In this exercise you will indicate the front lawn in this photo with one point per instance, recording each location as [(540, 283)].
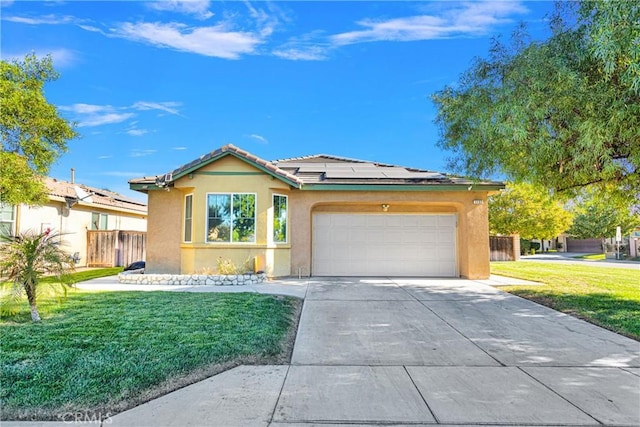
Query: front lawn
[(81, 276), (608, 297), (103, 352), (592, 257)]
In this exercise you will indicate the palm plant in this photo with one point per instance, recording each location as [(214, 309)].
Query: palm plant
[(25, 258)]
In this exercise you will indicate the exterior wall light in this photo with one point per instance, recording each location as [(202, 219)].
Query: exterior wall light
[(385, 208)]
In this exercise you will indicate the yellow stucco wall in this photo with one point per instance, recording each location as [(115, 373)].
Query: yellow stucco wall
[(168, 253), (163, 232), (232, 175)]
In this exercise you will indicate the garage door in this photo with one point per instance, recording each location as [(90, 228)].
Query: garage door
[(384, 245)]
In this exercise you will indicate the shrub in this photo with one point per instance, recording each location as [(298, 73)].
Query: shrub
[(226, 266)]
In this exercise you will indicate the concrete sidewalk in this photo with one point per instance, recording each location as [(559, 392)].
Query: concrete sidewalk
[(572, 258), (381, 351), (291, 287)]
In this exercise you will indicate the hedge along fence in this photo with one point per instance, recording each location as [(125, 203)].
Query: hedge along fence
[(192, 279)]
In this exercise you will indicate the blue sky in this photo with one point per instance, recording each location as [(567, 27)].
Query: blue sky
[(153, 85)]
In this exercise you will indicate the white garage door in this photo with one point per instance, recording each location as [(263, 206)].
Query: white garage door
[(384, 245)]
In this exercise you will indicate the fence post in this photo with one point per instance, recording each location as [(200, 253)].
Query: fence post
[(516, 247)]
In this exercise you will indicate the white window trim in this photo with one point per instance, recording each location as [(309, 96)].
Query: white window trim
[(184, 219), (100, 214), (230, 242), (286, 242), (12, 221)]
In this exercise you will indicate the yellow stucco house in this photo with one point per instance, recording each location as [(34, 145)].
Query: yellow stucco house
[(315, 216)]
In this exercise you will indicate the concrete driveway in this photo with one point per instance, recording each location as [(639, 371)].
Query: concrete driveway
[(373, 352), (421, 352)]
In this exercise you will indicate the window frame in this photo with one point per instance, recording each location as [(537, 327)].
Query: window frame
[(12, 221), (184, 219), (232, 218), (273, 220), (101, 216)]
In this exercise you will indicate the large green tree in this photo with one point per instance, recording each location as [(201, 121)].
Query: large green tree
[(528, 210), (598, 216), (563, 112), (32, 132)]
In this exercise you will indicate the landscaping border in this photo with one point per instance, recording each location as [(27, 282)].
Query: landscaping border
[(192, 279)]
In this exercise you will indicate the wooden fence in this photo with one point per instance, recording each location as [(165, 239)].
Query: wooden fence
[(115, 248), (504, 248)]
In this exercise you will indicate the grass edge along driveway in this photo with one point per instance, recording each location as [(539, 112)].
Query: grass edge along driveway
[(104, 352), (607, 297)]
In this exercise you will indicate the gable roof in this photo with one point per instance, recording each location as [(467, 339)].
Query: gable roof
[(79, 193), (167, 179), (327, 172)]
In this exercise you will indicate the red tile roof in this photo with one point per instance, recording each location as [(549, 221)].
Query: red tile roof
[(97, 196)]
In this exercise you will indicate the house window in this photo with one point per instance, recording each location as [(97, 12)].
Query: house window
[(188, 217), (279, 218), (7, 219), (231, 217), (99, 221)]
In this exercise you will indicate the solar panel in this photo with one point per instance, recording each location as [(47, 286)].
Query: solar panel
[(402, 173), (350, 166), (359, 174)]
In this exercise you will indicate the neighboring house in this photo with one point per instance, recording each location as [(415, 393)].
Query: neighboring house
[(629, 244), (316, 216), (73, 209), (634, 243)]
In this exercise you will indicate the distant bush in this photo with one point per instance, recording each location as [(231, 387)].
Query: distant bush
[(528, 247)]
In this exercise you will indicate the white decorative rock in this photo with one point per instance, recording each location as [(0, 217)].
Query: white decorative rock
[(191, 279)]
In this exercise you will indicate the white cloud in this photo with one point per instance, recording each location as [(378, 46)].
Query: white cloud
[(307, 47), (89, 115), (42, 20), (463, 20), (198, 8), (6, 3), (303, 53), (265, 21), (137, 132), (62, 58), (179, 148), (167, 107), (217, 41), (259, 138), (104, 119), (87, 108), (105, 157), (136, 152), (91, 28)]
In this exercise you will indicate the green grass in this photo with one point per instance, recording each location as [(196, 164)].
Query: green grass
[(592, 257), (104, 352), (608, 297), (48, 287), (81, 276)]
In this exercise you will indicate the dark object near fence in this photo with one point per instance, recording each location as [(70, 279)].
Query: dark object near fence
[(138, 265), (503, 248), (115, 248)]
